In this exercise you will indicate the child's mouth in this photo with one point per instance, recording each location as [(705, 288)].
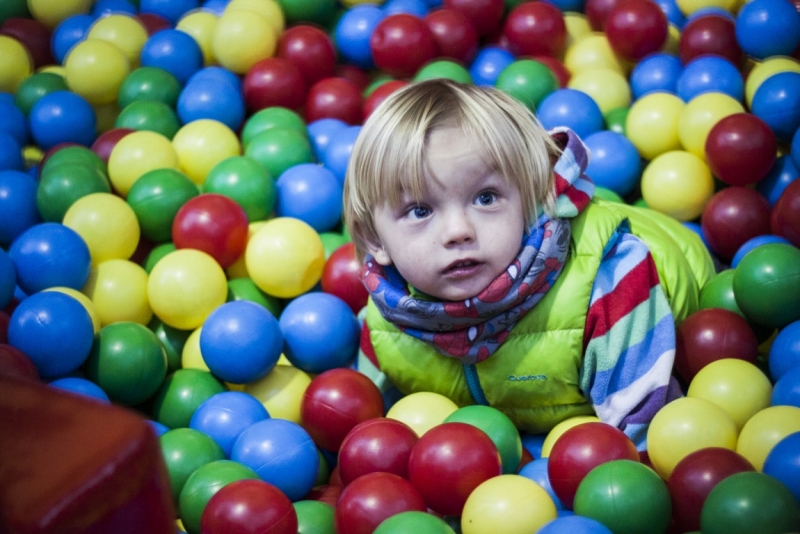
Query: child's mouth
[(462, 268)]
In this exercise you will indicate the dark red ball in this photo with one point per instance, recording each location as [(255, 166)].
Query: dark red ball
[(579, 450), (369, 500), (358, 77), (741, 149), (709, 335), (334, 98), (597, 12), (335, 402), (449, 461), (377, 445), (733, 216), (785, 219), (249, 507), (153, 23), (485, 15), (327, 493), (636, 28), (536, 29), (454, 34), (274, 81), (710, 34), (380, 94), (310, 50), (106, 141), (693, 479), (17, 364), (5, 318), (33, 35), (214, 224), (401, 44), (558, 69), (342, 277)]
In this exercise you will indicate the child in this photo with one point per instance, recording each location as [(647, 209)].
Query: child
[(494, 278)]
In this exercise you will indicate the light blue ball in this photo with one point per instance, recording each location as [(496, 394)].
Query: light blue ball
[(353, 32), (337, 153), (226, 415), (81, 386), (706, 74), (656, 72), (615, 162), (488, 64), (311, 193), (537, 471), (321, 132), (766, 28), (571, 108)]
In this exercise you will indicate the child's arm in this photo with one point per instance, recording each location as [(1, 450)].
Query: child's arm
[(629, 341)]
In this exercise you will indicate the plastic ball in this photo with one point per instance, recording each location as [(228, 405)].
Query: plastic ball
[(226, 415), (533, 29), (787, 390), (498, 427), (200, 25), (782, 174), (278, 149), (372, 498), (422, 411), (740, 149), (342, 277), (783, 463), (652, 124), (574, 524), (766, 285), (16, 64), (783, 219), (710, 34), (245, 289), (136, 154), (710, 74), (415, 521), (150, 84), (322, 132), (376, 445), (766, 69), (272, 117), (185, 450), (201, 144), (18, 201), (14, 122), (336, 156), (752, 243), (485, 15), (615, 162), (81, 386), (153, 116), (270, 10), (557, 431), (274, 81), (118, 290), (775, 102), (123, 31), (62, 117), (537, 470), (95, 70), (733, 216), (353, 32), (784, 354), (455, 36), (242, 38), (636, 28), (214, 224), (444, 69), (310, 50), (211, 95), (678, 184), (281, 392), (615, 120), (245, 181), (336, 98), (314, 517), (764, 430), (488, 64), (155, 199), (700, 115), (507, 504), (105, 143), (530, 82), (173, 51), (107, 224), (418, 8), (181, 394), (766, 28), (247, 506), (312, 194), (608, 88), (592, 51)]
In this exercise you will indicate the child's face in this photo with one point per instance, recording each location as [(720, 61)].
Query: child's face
[(463, 233)]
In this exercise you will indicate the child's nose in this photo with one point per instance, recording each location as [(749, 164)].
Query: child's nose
[(458, 229)]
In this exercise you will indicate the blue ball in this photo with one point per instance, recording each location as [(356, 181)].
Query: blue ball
[(68, 33), (777, 102), (320, 331), (8, 279), (17, 204), (418, 8), (795, 148), (159, 428), (786, 391), (112, 7), (337, 153), (321, 132), (711, 10), (697, 229), (754, 242), (766, 28), (173, 51), (488, 64), (784, 354), (62, 117), (707, 74), (226, 415), (14, 122), (533, 443), (674, 14), (537, 471), (573, 109), (782, 173), (656, 72), (216, 73), (172, 10), (576, 6), (353, 32), (212, 97), (10, 153), (615, 162), (783, 463), (241, 341), (54, 330), (574, 524), (216, 7), (81, 386), (282, 453), (311, 193)]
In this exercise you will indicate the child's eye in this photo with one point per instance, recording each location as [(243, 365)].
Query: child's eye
[(419, 212), (486, 198)]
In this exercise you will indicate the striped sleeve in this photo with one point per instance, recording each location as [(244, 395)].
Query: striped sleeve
[(629, 340)]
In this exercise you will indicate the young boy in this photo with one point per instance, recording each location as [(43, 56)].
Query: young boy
[(495, 279)]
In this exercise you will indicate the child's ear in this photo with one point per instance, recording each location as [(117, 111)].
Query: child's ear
[(378, 252)]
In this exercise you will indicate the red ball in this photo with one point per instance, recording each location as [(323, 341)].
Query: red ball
[(485, 15), (335, 402), (310, 50), (249, 507), (327, 493), (334, 98), (536, 29), (558, 69), (354, 75), (733, 216), (106, 141), (741, 149), (636, 28), (373, 498), (377, 445), (710, 335), (380, 94), (401, 44), (17, 364), (449, 461), (5, 318), (710, 34), (597, 12), (454, 35), (213, 223), (785, 219), (693, 479), (274, 81), (342, 277), (33, 35), (153, 23), (582, 448)]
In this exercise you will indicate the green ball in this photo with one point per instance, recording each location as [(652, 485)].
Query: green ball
[(498, 427), (61, 185), (615, 119), (278, 149), (14, 9), (149, 83), (749, 502), (180, 395), (156, 254), (156, 197), (608, 194), (75, 154), (319, 11), (767, 285), (626, 496), (35, 87), (374, 84), (640, 203), (149, 115), (185, 450), (413, 521), (331, 241), (314, 517), (246, 289), (273, 117), (324, 471), (443, 68), (172, 340), (247, 182), (718, 293), (203, 484), (528, 81), (128, 362)]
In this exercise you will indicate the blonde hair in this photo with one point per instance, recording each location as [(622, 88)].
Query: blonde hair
[(389, 156)]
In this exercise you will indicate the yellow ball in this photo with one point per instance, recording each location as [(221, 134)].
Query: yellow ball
[(672, 44), (562, 427), (700, 115), (422, 411), (577, 26), (507, 504), (124, 31), (736, 386), (285, 257), (185, 286), (268, 9), (136, 154), (281, 392), (84, 300), (16, 64), (765, 69), (191, 356), (118, 289), (688, 7), (764, 430), (592, 51), (51, 12), (239, 268), (686, 425), (108, 225), (607, 87), (200, 25), (241, 39), (678, 184), (96, 70), (203, 143), (652, 124)]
